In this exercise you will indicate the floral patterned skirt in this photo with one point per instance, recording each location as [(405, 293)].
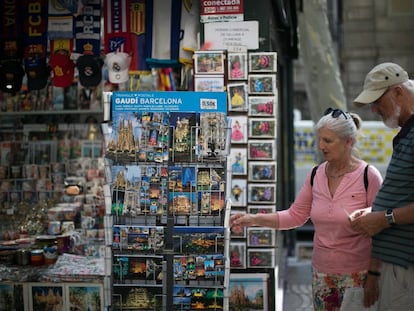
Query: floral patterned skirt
[(328, 288)]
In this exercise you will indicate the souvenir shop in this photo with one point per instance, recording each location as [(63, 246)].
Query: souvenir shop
[(124, 149)]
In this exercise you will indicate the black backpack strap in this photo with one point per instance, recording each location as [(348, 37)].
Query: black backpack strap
[(313, 174), (366, 177)]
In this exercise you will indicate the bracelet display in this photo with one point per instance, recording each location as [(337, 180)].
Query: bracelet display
[(375, 273)]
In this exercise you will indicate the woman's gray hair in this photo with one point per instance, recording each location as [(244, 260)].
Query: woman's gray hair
[(343, 127)]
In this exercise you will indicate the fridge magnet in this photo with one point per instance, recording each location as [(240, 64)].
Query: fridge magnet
[(238, 192), (46, 296), (237, 66), (262, 128), (237, 96), (262, 106), (262, 171), (237, 255), (260, 258), (85, 296), (237, 232), (238, 129), (260, 237), (264, 209), (238, 161), (253, 287), (206, 83), (263, 62), (262, 193), (261, 150), (209, 62), (262, 84)]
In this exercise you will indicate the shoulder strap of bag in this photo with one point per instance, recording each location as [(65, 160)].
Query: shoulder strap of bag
[(313, 174), (365, 176)]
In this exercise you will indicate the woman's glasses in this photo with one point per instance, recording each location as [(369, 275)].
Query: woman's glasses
[(335, 113)]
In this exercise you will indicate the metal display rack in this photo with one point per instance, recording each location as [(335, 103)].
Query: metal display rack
[(166, 156)]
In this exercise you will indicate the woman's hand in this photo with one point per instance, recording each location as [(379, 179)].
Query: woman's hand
[(240, 220)]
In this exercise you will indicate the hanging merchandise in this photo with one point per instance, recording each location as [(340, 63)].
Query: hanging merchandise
[(166, 79), (11, 76), (117, 26), (62, 66), (11, 50), (118, 65), (88, 44), (139, 35), (35, 43), (90, 70), (60, 21), (190, 29), (165, 40), (88, 29), (72, 6), (61, 35)]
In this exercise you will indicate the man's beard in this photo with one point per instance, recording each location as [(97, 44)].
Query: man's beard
[(392, 121)]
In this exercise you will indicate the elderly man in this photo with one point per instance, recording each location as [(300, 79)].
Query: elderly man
[(390, 93)]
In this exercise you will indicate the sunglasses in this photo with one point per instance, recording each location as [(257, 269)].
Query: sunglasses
[(335, 113)]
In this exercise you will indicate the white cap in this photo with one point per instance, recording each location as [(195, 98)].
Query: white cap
[(118, 66), (378, 80)]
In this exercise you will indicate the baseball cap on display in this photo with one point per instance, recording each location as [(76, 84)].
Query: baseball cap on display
[(378, 80), (38, 74), (11, 76), (118, 65), (90, 70), (63, 69)]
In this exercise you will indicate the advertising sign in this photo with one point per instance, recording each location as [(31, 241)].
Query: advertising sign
[(221, 11)]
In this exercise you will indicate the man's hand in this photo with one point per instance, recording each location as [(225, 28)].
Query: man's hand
[(370, 224), (371, 290)]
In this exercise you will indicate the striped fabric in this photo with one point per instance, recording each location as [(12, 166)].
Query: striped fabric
[(395, 244)]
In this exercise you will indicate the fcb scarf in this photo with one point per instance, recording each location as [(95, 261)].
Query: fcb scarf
[(88, 29)]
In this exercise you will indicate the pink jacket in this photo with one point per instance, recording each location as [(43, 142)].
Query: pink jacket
[(336, 247)]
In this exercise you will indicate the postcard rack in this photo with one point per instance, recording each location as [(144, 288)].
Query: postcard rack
[(252, 166), (165, 197)]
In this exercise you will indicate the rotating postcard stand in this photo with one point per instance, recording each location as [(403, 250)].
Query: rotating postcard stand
[(166, 199)]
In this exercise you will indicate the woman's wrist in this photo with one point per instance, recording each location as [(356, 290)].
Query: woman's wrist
[(253, 219)]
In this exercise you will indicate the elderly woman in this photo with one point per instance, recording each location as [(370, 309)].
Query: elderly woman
[(338, 188)]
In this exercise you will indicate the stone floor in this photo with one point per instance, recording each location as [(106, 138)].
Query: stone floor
[(297, 286)]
